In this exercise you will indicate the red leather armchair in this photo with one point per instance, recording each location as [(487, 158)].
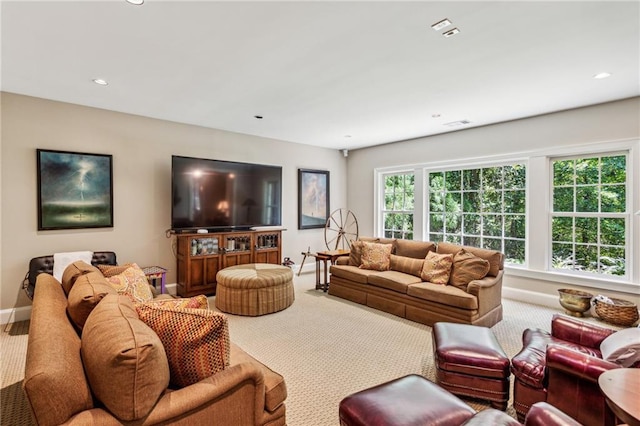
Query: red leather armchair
[(562, 368)]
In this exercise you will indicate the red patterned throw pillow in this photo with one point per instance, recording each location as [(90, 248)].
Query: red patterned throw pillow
[(437, 267), (376, 256), (196, 340)]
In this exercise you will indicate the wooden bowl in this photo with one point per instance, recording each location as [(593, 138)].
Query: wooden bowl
[(575, 302)]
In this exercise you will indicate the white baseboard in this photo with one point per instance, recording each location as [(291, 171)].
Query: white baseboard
[(22, 313), (530, 297)]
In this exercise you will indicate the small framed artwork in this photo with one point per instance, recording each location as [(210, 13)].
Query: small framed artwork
[(313, 198), (75, 190)]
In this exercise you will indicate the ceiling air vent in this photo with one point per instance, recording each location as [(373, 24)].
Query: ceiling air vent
[(457, 123)]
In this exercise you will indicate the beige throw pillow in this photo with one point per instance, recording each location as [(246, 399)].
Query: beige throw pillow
[(436, 268), (124, 359), (376, 256), (466, 268)]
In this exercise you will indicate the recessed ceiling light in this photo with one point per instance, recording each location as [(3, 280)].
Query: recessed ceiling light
[(136, 2), (442, 24), (259, 117), (451, 32), (435, 115), (347, 136), (602, 75), (100, 81)]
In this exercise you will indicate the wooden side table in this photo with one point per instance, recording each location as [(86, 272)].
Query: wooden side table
[(621, 389), (323, 257), (154, 273)]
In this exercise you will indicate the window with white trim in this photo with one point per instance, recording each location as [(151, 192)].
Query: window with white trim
[(398, 208), (480, 207), (590, 214)]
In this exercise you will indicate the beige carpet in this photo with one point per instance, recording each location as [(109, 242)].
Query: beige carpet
[(325, 347)]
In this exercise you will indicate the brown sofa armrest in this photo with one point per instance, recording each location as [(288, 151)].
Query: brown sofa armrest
[(233, 396), (342, 260), (488, 291)]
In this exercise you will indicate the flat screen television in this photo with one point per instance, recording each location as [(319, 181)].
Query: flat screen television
[(224, 195)]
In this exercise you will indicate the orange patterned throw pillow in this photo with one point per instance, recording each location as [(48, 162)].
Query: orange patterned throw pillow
[(437, 267), (196, 340), (197, 302), (376, 256), (466, 268), (132, 282)]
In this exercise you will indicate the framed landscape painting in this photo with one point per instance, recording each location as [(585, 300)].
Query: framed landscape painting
[(313, 198), (75, 190)]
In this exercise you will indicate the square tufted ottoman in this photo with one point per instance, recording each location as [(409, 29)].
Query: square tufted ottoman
[(408, 401), (470, 362)]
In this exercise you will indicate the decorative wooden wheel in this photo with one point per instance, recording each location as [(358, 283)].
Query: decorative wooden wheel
[(340, 230)]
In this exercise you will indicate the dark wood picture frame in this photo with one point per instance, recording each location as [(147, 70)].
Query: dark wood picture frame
[(313, 198), (75, 190)]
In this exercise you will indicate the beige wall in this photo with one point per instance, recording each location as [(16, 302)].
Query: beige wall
[(141, 149), (596, 124)]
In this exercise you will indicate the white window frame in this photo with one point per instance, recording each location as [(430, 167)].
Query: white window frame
[(538, 250), (502, 163), (380, 199)]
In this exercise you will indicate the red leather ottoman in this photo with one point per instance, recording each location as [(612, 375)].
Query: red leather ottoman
[(470, 362), (408, 401)]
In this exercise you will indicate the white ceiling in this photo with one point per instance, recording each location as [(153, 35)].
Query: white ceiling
[(319, 71)]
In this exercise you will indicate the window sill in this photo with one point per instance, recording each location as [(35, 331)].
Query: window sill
[(589, 282)]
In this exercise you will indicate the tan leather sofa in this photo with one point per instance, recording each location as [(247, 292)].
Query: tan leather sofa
[(402, 292), (245, 393)]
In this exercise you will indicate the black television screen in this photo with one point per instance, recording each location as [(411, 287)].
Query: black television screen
[(217, 195)]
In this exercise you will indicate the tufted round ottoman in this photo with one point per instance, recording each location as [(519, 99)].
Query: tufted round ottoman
[(254, 289)]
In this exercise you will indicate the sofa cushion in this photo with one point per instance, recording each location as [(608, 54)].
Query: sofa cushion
[(415, 249), (133, 283), (466, 268), (437, 268), (495, 258), (393, 280), (408, 265), (196, 341), (86, 293), (274, 385), (124, 359), (73, 271), (355, 254), (376, 256), (352, 273), (447, 295), (622, 347), (113, 270)]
